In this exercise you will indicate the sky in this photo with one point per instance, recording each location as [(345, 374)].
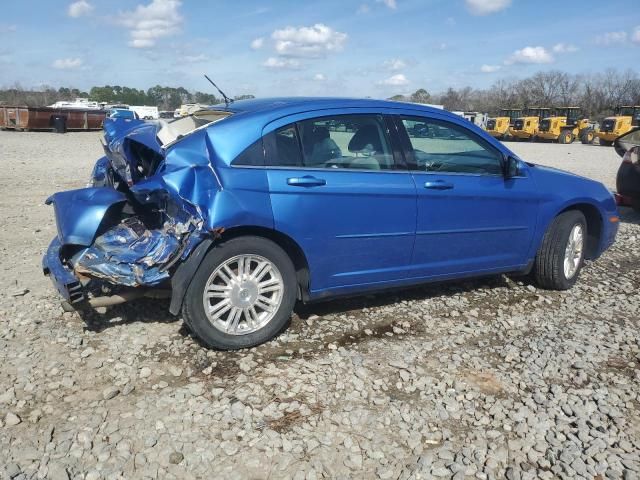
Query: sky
[(375, 48)]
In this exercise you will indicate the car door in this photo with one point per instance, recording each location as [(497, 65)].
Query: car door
[(340, 190), (471, 219)]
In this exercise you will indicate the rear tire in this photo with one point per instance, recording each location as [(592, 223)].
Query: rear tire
[(565, 137), (587, 136), (241, 293), (605, 143), (556, 253)]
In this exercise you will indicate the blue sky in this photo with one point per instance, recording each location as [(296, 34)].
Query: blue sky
[(335, 47)]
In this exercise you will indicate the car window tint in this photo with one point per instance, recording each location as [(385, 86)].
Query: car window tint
[(253, 155), (283, 147), (445, 147), (346, 141)]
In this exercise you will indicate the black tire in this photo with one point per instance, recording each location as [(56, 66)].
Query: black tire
[(587, 136), (548, 269), (193, 310), (605, 143), (565, 137)]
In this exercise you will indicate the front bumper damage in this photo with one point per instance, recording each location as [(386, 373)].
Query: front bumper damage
[(126, 239)]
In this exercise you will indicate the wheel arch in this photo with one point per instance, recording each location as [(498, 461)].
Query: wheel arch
[(183, 275), (594, 221)]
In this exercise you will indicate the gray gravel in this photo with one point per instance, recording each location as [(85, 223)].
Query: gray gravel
[(482, 379)]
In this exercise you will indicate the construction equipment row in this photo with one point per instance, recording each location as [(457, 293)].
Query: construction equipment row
[(563, 125)]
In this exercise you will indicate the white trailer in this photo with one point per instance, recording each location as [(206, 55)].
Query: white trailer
[(144, 112)]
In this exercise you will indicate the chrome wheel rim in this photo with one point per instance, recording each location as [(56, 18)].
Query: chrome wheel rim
[(243, 294), (573, 251)]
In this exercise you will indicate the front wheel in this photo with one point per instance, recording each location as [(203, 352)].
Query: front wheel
[(566, 136), (587, 136), (605, 143), (561, 254), (242, 295)]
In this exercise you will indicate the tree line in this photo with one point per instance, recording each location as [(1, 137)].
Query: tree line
[(166, 98), (597, 94)]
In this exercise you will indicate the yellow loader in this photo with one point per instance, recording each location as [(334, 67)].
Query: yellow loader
[(624, 119), (527, 126), (565, 125), (498, 126)]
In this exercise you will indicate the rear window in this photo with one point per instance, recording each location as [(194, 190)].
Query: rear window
[(172, 131)]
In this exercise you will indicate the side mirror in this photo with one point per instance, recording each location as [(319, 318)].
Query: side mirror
[(511, 167), (625, 142)]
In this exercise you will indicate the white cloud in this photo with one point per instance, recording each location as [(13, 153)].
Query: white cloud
[(314, 41), (4, 28), (194, 58), (67, 63), (530, 55), (485, 7), (79, 8), (148, 23), (564, 48), (281, 63), (611, 38), (319, 77), (635, 36), (397, 80), (395, 64), (489, 68), (257, 43), (389, 3)]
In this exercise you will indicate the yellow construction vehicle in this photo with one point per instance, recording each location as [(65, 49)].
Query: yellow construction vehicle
[(498, 126), (565, 125), (527, 126), (623, 120)]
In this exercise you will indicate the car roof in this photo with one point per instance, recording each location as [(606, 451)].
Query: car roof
[(281, 106)]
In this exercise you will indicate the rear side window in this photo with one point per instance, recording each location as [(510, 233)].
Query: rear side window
[(252, 156), (438, 146), (341, 141)]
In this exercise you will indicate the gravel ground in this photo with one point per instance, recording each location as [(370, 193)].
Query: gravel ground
[(490, 378)]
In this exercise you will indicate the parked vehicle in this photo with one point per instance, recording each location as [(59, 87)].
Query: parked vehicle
[(166, 114), (527, 126), (623, 120), (628, 178), (122, 113), (236, 212), (47, 118), (498, 127), (144, 112), (477, 118), (78, 103), (565, 125)]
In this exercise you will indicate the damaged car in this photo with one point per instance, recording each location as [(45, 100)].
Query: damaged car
[(237, 211)]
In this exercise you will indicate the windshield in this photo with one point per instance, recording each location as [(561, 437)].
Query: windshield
[(625, 111), (175, 130)]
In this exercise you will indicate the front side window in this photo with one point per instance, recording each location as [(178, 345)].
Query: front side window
[(438, 146), (341, 141)]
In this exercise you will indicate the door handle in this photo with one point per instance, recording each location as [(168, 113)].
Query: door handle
[(438, 185), (306, 181)]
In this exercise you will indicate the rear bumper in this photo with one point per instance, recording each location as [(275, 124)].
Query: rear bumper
[(548, 135), (63, 279), (607, 136)]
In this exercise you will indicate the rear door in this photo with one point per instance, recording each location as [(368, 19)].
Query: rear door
[(471, 219), (340, 190)]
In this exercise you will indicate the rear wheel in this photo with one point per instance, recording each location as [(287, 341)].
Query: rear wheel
[(566, 136), (242, 295), (561, 254), (605, 143), (587, 136)]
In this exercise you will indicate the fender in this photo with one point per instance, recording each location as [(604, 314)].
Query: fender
[(181, 279)]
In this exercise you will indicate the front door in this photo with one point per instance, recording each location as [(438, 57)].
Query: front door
[(339, 191), (470, 218)]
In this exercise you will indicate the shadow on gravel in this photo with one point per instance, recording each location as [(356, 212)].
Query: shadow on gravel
[(421, 292), (628, 215), (144, 310)]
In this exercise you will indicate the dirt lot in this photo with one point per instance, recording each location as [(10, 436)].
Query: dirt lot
[(481, 379)]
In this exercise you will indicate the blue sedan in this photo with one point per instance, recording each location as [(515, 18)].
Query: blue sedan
[(238, 211)]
